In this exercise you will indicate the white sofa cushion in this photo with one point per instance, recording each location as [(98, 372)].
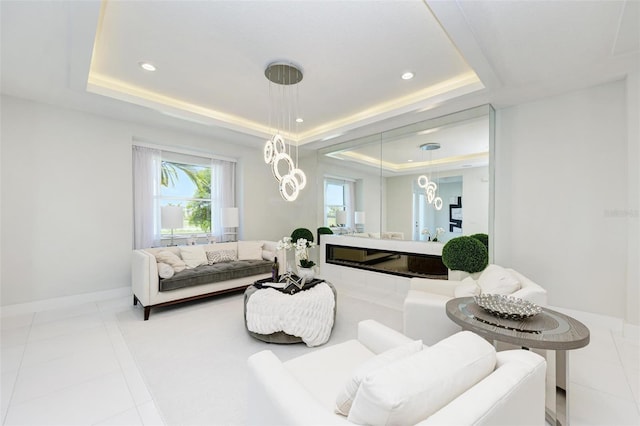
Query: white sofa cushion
[(412, 388), (249, 250), (323, 372), (165, 270), (497, 280), (165, 256), (348, 392), (193, 256), (468, 287)]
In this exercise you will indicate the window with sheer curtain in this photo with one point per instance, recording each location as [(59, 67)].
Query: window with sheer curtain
[(201, 186), (339, 194)]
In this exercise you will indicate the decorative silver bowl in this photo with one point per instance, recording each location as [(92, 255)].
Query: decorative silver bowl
[(506, 306)]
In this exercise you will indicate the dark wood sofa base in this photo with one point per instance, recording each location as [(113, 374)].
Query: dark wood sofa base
[(147, 309)]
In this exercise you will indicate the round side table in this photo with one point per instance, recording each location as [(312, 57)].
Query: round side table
[(549, 330)]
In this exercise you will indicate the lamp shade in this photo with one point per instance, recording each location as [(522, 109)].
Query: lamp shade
[(341, 217), (172, 217), (359, 218), (230, 217)]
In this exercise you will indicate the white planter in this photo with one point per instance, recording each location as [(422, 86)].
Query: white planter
[(306, 273)]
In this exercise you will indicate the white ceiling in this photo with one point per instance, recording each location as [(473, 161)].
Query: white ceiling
[(211, 57)]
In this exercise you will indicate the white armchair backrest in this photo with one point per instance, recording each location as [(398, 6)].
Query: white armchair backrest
[(529, 290)]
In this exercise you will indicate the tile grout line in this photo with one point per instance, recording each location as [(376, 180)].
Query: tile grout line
[(136, 405), (626, 373), (18, 370)]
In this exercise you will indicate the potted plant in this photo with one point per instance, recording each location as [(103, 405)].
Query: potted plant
[(301, 246), (305, 266), (465, 254)]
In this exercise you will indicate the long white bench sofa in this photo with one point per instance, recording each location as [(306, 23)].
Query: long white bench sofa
[(158, 279)]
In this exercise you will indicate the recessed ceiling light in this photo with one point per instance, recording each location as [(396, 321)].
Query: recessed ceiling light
[(429, 146), (407, 75), (409, 161), (299, 120), (147, 66)]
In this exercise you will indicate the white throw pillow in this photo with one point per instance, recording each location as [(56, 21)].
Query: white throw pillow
[(249, 250), (413, 388), (268, 255), (467, 288), (193, 256), (165, 256), (348, 392), (165, 270), (497, 280)]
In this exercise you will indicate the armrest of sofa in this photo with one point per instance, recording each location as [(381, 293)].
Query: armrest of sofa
[(378, 338), (277, 398), (144, 275), (513, 394), (441, 287), (272, 248)]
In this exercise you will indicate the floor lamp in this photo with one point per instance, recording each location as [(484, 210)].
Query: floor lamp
[(172, 217), (230, 219)]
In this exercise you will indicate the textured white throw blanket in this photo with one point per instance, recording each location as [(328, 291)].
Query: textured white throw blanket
[(307, 314)]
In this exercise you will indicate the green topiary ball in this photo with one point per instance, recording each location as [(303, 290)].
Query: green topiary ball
[(483, 238), (465, 254), (301, 233), (323, 230)]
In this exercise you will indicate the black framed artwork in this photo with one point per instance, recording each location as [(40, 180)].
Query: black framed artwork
[(455, 214)]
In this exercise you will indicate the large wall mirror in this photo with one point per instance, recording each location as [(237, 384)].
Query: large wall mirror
[(410, 182)]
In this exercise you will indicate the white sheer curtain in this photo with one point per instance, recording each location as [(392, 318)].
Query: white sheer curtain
[(146, 183), (223, 194), (349, 201)]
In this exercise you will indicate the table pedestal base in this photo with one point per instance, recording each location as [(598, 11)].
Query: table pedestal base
[(557, 411)]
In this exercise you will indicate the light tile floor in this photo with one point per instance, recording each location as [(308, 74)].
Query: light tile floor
[(72, 366)]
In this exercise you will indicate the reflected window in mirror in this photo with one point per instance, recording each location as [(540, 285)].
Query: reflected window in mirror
[(339, 196)]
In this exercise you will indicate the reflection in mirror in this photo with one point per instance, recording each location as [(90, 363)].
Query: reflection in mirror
[(394, 173)]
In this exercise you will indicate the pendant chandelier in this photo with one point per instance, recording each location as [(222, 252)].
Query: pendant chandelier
[(430, 187), (283, 97)]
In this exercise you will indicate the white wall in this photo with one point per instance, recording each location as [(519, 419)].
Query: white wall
[(633, 216), (67, 198), (561, 170), (475, 201)]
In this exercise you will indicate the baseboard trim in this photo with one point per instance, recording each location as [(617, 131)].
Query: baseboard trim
[(63, 302)]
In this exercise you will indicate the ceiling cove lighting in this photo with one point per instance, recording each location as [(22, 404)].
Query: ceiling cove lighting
[(429, 186), (147, 66), (283, 99)]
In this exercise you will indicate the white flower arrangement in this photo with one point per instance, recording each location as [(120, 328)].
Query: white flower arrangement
[(301, 247), (439, 232), (284, 244), (436, 236)]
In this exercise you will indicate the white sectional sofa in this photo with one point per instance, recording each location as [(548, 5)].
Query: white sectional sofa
[(382, 378), (218, 274)]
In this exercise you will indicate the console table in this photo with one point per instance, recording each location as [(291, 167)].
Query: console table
[(548, 330)]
